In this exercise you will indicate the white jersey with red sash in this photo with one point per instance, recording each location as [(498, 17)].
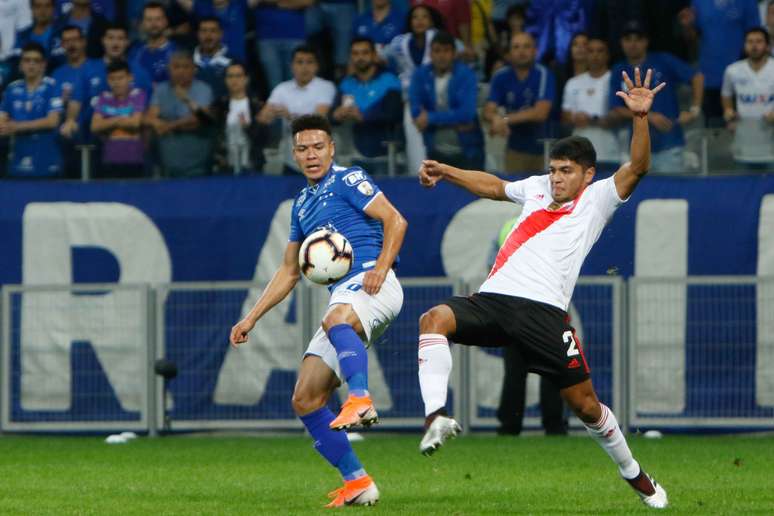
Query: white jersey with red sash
[(542, 256)]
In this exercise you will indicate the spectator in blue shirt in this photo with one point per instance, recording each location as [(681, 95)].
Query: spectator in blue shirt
[(370, 99), (211, 57), (443, 104), (666, 135), (116, 45), (279, 30), (233, 21), (30, 112), (92, 25), (520, 100), (381, 23), (154, 56), (75, 80), (43, 31), (721, 27)]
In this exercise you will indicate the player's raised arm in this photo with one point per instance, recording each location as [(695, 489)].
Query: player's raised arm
[(283, 281), (639, 99), (394, 230), (478, 183)]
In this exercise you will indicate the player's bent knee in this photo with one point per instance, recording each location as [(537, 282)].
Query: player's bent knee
[(338, 314), (305, 402), (438, 319)]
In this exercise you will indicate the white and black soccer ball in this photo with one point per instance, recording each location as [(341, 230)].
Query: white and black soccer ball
[(325, 257)]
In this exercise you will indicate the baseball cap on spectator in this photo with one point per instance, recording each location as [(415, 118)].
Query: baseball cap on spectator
[(634, 27)]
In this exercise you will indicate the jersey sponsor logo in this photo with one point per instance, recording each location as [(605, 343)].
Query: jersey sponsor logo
[(354, 178), (365, 188), (755, 98)]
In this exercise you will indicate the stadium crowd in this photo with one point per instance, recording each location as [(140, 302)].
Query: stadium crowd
[(129, 88)]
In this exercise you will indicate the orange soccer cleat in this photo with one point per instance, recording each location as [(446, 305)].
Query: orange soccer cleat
[(356, 411), (361, 491)]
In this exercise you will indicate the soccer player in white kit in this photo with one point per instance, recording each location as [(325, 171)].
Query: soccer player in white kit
[(523, 303)]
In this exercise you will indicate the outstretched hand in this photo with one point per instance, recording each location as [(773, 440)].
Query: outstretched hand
[(430, 173), (639, 96)]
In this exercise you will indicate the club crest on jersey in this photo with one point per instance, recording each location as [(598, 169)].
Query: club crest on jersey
[(365, 188), (301, 198), (354, 178)]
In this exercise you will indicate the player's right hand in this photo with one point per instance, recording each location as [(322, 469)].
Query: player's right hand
[(430, 173), (239, 332)]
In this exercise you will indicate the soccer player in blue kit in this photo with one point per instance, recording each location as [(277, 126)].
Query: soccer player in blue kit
[(361, 306)]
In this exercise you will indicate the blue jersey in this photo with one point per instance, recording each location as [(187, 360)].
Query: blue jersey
[(666, 68), (35, 153), (155, 61), (508, 91), (338, 203), (384, 31), (76, 84), (233, 19)]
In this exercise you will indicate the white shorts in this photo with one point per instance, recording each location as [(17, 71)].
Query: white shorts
[(375, 314)]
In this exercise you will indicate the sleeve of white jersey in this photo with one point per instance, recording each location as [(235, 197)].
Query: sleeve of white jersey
[(605, 197), (516, 191)]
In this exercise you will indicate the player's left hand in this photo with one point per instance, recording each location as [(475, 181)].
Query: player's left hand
[(639, 97), (372, 281)]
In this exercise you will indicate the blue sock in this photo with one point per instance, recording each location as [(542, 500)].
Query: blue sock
[(353, 358), (332, 445)]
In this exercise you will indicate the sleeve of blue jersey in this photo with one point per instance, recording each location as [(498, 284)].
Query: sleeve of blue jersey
[(295, 228), (356, 186)]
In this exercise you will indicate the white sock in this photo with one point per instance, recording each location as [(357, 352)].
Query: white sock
[(612, 440), (435, 365)]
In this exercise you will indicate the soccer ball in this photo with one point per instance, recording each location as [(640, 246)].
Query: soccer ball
[(325, 257)]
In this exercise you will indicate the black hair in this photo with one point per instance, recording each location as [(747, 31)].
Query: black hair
[(72, 27), (116, 26), (575, 148), (516, 9), (304, 49), (363, 39), (311, 122), (34, 46), (239, 64), (118, 65), (760, 30), (435, 16), (213, 19), (445, 39), (154, 5)]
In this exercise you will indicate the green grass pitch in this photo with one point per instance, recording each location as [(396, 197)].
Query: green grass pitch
[(470, 475)]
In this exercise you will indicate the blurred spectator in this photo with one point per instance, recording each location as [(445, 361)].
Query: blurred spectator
[(769, 22), (405, 53), (456, 20), (520, 99), (381, 23), (233, 21), (483, 36), (118, 119), (154, 55), (42, 31), (553, 23), (304, 94), (105, 8), (30, 113), (210, 56), (336, 17), (576, 65), (501, 8), (92, 25), (241, 138), (370, 99), (585, 104), (748, 101), (443, 98), (513, 24), (279, 29), (179, 107), (666, 134), (721, 27), (14, 17), (116, 45), (76, 78)]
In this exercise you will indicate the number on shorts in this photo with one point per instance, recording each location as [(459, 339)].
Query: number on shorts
[(354, 287), (572, 348)]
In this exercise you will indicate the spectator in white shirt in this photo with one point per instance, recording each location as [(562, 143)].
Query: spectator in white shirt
[(748, 101), (303, 95), (585, 104), (15, 15)]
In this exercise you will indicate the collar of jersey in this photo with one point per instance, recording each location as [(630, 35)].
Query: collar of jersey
[(313, 188)]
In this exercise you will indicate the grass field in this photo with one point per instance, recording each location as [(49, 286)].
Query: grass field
[(471, 475)]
